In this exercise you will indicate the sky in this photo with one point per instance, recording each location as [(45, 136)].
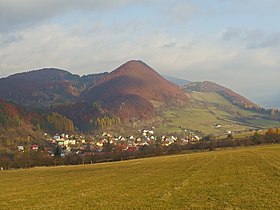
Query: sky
[(235, 43)]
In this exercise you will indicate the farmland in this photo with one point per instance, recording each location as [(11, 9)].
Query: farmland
[(244, 178), (208, 109)]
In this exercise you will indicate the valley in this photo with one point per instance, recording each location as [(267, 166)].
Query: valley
[(128, 104), (38, 105)]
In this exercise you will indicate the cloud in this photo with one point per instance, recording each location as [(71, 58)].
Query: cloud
[(111, 32), (104, 47), (232, 34), (269, 41), (251, 39), (15, 13), (101, 47), (8, 38)]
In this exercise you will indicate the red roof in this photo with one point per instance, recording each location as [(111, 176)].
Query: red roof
[(131, 149), (34, 146)]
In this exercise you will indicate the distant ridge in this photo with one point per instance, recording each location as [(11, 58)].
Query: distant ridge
[(45, 74), (132, 93), (177, 81), (45, 87), (207, 86)]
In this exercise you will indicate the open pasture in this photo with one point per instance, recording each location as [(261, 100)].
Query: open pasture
[(244, 178)]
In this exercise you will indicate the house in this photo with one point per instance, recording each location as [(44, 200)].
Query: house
[(35, 147), (173, 138), (60, 143), (147, 132), (98, 149), (20, 148), (151, 132), (99, 144), (145, 144), (218, 126), (56, 137), (66, 142), (196, 138), (185, 141), (131, 149), (72, 141), (82, 148), (166, 143)]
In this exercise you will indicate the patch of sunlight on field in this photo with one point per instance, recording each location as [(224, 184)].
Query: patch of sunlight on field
[(211, 97), (200, 119), (208, 109), (246, 178), (216, 99)]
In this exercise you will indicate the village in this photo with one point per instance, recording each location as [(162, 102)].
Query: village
[(61, 145), (74, 149)]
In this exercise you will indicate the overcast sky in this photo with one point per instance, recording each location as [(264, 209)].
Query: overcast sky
[(235, 43)]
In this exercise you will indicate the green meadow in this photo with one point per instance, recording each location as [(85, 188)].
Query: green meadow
[(208, 109), (243, 178)]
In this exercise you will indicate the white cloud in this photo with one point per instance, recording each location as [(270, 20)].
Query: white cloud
[(244, 59), (15, 13), (106, 47)]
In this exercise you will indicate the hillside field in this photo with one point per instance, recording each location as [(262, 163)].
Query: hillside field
[(208, 109), (245, 178)]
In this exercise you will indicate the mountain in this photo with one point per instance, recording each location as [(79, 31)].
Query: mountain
[(19, 126), (207, 86), (134, 90), (177, 81), (45, 87), (10, 114), (15, 124), (211, 104), (132, 94)]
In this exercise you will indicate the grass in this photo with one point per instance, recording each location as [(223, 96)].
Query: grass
[(208, 109), (202, 119), (246, 178), (265, 122), (210, 97)]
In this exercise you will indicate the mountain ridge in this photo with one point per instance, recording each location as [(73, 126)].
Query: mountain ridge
[(45, 87), (136, 75), (132, 89), (234, 97), (133, 92)]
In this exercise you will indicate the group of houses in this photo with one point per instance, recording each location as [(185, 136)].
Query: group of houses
[(79, 144)]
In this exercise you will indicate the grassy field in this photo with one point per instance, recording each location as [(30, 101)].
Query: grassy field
[(208, 109), (246, 178), (202, 119)]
